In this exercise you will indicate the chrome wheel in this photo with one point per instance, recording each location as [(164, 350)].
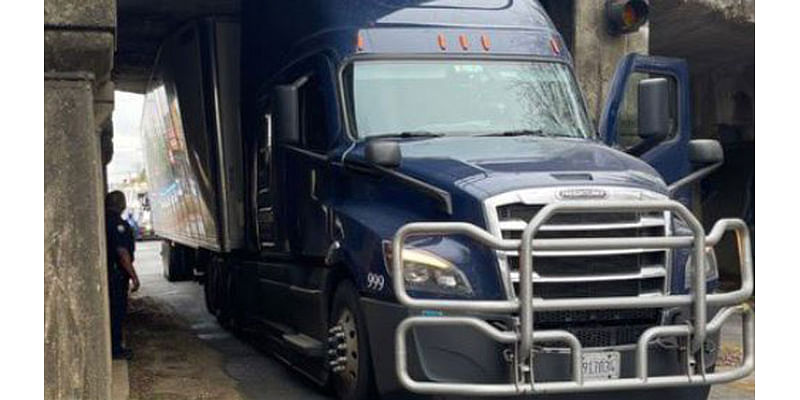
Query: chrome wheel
[(348, 352), (349, 359)]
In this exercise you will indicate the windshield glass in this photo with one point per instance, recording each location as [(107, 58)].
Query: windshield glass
[(464, 98)]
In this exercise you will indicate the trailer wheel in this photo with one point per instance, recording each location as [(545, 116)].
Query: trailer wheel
[(210, 286), (218, 292), (168, 255), (174, 261), (351, 375), (224, 299)]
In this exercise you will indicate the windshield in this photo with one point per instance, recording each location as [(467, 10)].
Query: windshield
[(464, 98)]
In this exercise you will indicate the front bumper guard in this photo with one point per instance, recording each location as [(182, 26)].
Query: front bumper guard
[(523, 306)]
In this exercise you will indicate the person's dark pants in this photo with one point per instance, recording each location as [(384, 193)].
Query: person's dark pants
[(118, 302)]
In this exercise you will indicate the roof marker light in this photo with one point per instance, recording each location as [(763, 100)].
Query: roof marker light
[(554, 45), (360, 42), (485, 42), (463, 41), (442, 42)]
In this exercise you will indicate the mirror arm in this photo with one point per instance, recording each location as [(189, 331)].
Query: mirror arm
[(694, 176), (297, 84), (644, 146)]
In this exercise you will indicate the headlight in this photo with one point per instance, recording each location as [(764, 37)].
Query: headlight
[(711, 269), (426, 272)]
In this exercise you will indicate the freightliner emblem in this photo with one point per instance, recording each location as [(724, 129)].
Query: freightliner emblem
[(582, 194)]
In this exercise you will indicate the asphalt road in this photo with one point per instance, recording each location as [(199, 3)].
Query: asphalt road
[(258, 376)]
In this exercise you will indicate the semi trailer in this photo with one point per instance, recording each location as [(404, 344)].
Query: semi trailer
[(408, 198)]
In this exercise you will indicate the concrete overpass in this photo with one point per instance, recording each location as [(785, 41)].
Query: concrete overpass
[(93, 47)]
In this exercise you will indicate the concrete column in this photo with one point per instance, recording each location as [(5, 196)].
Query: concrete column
[(597, 53), (78, 50), (76, 326)]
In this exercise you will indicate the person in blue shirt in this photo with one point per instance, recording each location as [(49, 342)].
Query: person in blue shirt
[(120, 246), (131, 220)]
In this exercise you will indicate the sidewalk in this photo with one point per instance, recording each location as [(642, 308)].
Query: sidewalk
[(120, 385)]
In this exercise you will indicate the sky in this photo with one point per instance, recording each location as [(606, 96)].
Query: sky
[(128, 158)]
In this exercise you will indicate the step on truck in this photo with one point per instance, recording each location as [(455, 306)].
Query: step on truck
[(407, 198)]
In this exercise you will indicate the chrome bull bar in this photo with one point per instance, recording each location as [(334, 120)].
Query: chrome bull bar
[(524, 304)]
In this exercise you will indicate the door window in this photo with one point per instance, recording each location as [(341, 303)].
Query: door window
[(313, 128)]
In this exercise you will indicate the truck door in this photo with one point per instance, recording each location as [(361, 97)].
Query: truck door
[(303, 166), (619, 123)]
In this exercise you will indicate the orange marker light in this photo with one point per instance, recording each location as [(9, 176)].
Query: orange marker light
[(485, 42), (462, 40), (442, 42), (360, 42), (629, 17), (555, 47)]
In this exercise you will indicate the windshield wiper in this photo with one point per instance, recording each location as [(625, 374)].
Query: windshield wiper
[(526, 132), (518, 132), (407, 134)]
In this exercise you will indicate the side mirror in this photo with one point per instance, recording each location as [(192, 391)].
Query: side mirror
[(705, 151), (654, 121), (385, 153), (286, 114)]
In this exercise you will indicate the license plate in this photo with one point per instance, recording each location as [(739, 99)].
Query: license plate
[(599, 366)]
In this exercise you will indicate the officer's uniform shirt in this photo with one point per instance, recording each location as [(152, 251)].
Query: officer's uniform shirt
[(118, 234)]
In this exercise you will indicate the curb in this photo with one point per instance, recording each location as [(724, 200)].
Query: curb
[(120, 385)]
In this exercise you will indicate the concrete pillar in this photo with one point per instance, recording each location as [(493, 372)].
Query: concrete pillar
[(596, 52), (78, 50), (76, 326)]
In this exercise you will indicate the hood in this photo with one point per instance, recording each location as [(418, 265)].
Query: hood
[(485, 166)]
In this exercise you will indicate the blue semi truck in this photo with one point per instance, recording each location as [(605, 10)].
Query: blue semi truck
[(408, 198)]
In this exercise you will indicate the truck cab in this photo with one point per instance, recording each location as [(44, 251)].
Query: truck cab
[(429, 209)]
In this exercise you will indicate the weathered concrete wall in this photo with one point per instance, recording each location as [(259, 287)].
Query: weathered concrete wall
[(597, 53), (79, 36), (723, 101), (717, 39), (76, 335), (732, 10), (79, 47), (724, 97)]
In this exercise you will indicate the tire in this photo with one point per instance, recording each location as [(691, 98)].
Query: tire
[(174, 261), (168, 255), (217, 288), (210, 287), (224, 304), (356, 381)]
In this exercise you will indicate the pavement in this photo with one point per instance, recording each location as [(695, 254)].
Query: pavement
[(120, 387), (731, 355), (171, 333), (254, 374)]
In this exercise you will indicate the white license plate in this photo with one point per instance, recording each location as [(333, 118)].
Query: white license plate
[(599, 366)]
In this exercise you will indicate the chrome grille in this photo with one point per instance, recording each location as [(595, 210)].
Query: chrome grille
[(591, 274)]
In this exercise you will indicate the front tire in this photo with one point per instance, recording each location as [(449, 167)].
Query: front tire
[(355, 380)]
